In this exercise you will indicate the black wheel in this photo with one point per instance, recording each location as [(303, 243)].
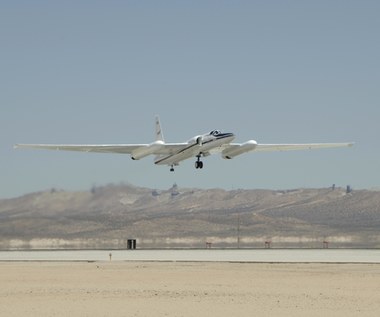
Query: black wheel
[(198, 164)]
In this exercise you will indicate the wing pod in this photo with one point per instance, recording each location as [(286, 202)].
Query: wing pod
[(237, 149), (143, 151)]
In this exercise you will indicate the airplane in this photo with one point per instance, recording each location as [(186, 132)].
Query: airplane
[(172, 154)]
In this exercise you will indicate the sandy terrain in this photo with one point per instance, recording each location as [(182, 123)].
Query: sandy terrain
[(188, 289)]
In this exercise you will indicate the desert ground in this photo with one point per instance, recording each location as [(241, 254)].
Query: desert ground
[(188, 289)]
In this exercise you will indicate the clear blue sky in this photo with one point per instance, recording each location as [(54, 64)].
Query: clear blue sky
[(273, 71)]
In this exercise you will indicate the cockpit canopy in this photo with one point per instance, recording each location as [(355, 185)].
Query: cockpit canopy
[(215, 132)]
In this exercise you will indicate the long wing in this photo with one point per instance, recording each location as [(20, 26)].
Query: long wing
[(107, 148), (138, 151), (234, 149), (292, 147)]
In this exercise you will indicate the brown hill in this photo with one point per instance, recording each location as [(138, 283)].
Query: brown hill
[(106, 217)]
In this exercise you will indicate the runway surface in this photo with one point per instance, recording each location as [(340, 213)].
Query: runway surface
[(209, 255), (188, 289)]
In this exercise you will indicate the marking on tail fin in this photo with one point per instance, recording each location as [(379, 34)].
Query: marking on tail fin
[(159, 134)]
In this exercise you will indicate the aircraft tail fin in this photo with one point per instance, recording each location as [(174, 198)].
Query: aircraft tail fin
[(159, 134)]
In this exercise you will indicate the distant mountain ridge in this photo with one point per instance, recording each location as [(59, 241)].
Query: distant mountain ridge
[(105, 217)]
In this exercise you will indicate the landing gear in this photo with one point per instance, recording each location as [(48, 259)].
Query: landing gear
[(172, 168), (198, 162)]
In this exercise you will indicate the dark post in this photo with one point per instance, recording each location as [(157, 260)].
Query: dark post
[(131, 244)]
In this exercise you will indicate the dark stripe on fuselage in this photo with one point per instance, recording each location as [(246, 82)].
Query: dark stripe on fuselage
[(219, 137), (176, 153)]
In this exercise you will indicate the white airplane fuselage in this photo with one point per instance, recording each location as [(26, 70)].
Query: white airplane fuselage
[(198, 146)]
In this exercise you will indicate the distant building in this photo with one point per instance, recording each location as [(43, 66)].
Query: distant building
[(174, 190), (156, 193)]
